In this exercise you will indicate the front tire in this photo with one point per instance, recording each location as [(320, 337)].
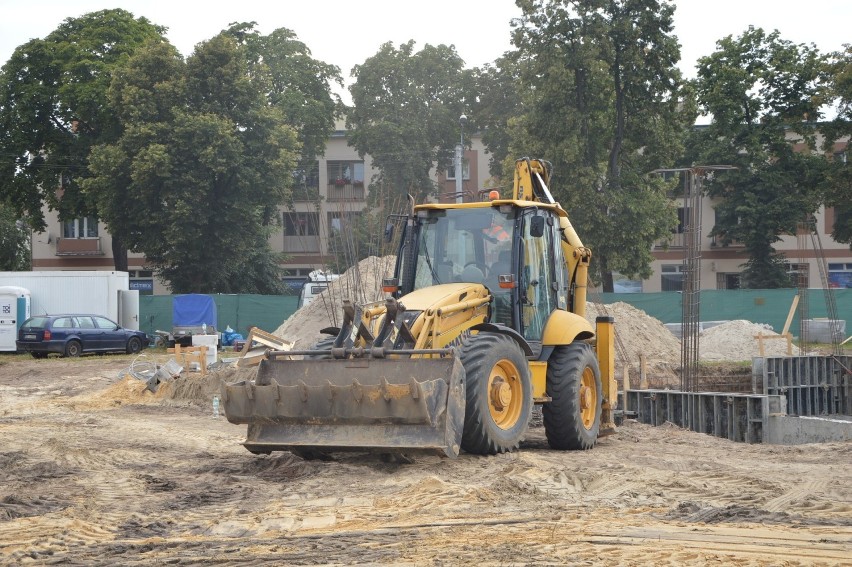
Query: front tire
[(73, 348), (572, 419), (499, 394)]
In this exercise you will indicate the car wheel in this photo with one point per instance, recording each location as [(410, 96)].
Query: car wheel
[(73, 348), (39, 354), (134, 345)]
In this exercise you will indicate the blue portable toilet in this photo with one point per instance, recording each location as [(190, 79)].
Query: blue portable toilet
[(15, 305)]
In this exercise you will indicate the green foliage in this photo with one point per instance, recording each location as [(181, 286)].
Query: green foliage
[(604, 101), (195, 180), (760, 89), (498, 104), (405, 114), (838, 187), (53, 108), (14, 242), (296, 83)]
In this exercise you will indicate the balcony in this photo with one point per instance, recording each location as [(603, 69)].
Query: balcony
[(302, 244), (79, 246), (717, 243), (677, 240), (303, 194), (347, 192)]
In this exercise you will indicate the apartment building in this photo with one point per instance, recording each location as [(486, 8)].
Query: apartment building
[(721, 264), (331, 192), (326, 197)]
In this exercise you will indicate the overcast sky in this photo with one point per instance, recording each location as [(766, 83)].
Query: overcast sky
[(345, 33)]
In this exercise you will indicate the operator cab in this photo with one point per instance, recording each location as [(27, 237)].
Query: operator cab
[(514, 251)]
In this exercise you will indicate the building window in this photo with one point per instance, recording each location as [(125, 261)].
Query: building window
[(840, 275), (798, 275), (342, 173), (340, 222), (727, 281), (86, 227), (301, 224), (671, 277), (306, 176), (451, 171)]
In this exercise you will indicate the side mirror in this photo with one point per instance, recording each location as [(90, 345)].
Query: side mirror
[(537, 227)]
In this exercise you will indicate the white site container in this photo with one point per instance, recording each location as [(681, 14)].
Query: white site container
[(99, 292), (14, 310), (211, 342)]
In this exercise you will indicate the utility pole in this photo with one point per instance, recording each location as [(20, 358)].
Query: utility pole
[(460, 160)]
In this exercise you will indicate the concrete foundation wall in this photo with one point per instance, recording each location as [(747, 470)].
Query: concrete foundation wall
[(787, 430)]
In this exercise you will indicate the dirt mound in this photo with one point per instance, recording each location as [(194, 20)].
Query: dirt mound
[(637, 333), (735, 341), (188, 388), (361, 283)]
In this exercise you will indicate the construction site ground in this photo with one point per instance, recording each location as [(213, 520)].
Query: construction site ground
[(96, 470)]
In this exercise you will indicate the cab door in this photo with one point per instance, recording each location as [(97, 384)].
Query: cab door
[(538, 283)]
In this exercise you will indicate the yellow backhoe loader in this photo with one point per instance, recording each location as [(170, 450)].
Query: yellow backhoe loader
[(484, 318)]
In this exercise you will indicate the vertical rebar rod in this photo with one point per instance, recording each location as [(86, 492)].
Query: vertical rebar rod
[(691, 290)]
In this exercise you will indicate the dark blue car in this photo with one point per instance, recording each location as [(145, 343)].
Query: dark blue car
[(73, 335)]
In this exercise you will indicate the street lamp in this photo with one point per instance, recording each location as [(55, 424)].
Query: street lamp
[(459, 159)]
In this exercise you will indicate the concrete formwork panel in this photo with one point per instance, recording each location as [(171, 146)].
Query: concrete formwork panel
[(738, 417), (812, 385)]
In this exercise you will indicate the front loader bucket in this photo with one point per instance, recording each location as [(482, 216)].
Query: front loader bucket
[(354, 404)]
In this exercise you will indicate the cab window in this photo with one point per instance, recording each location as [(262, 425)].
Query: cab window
[(538, 279)]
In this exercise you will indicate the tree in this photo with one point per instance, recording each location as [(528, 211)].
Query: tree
[(838, 187), (196, 178), (53, 109), (14, 242), (604, 101), (498, 104), (760, 91), (299, 85), (406, 107)]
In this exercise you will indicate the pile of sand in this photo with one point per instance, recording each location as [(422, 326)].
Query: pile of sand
[(735, 341), (361, 283), (190, 388), (637, 333)]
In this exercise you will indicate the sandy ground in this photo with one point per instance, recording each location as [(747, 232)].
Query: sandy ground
[(94, 470)]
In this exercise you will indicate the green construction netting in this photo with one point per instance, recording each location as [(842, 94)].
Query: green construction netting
[(769, 306), (239, 311)]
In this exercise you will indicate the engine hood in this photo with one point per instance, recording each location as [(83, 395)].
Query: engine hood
[(440, 295)]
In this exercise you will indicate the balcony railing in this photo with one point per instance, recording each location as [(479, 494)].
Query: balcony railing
[(717, 243), (79, 246), (678, 240), (302, 244), (348, 192), (309, 194)]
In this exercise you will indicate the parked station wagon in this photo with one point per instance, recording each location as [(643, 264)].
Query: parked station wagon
[(73, 335)]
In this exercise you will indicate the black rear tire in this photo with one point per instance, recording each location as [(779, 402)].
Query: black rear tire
[(73, 348), (572, 419), (134, 345), (499, 394)]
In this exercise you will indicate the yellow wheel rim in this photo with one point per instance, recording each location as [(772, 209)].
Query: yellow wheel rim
[(505, 394), (588, 398)]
